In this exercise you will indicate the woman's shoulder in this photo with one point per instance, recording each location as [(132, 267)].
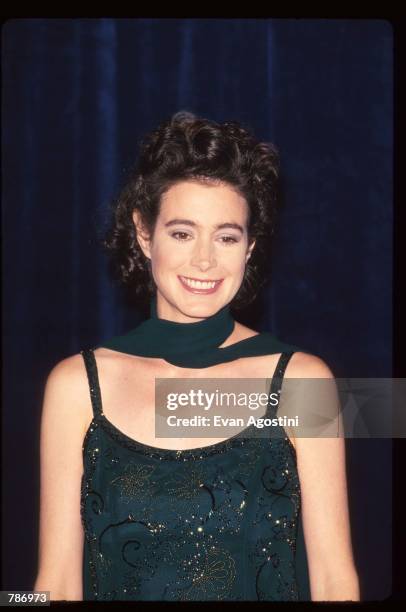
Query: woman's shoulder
[(66, 392), (308, 365), (73, 367), (302, 364), (68, 378), (69, 368)]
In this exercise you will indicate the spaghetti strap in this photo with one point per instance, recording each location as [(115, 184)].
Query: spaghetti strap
[(277, 379), (93, 378)]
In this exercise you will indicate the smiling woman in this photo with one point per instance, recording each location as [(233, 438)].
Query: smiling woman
[(185, 519), (205, 261), (227, 174)]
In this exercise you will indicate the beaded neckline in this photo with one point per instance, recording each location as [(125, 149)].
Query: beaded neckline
[(119, 436), (238, 440), (244, 436)]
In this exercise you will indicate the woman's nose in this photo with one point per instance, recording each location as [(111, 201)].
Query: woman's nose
[(204, 254)]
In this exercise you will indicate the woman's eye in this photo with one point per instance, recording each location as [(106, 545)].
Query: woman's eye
[(229, 239), (177, 233), (182, 237)]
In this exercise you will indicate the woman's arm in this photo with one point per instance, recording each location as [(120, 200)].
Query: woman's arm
[(61, 534), (325, 516)]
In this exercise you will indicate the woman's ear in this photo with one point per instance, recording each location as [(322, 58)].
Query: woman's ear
[(142, 235)]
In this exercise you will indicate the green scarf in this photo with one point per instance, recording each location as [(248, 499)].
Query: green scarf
[(193, 345)]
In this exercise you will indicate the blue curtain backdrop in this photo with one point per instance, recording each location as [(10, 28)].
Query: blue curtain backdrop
[(78, 94)]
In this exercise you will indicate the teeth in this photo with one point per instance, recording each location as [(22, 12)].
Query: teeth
[(198, 284)]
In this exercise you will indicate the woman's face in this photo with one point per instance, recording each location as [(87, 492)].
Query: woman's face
[(189, 244)]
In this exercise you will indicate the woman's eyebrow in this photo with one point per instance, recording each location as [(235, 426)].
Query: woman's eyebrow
[(236, 226)]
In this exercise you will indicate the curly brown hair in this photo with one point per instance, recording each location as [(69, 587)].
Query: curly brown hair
[(190, 147)]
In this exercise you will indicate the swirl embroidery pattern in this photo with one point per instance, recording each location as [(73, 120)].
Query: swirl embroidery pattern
[(216, 523)]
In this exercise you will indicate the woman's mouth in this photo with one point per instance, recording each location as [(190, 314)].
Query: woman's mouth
[(200, 286)]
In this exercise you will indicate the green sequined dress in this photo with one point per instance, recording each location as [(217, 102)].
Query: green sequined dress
[(218, 523)]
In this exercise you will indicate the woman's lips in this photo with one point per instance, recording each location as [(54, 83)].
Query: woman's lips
[(202, 291)]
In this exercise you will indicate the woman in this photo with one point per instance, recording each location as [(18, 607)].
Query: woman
[(183, 519)]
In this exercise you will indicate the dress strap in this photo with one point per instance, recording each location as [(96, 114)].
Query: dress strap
[(277, 379), (93, 378)]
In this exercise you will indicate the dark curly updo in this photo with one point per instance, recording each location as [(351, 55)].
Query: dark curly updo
[(190, 147)]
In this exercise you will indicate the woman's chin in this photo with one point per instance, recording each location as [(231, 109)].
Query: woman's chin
[(199, 307)]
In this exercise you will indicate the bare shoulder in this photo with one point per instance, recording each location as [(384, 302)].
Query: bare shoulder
[(67, 390), (69, 374), (73, 368), (307, 365), (111, 357), (301, 365), (66, 366), (114, 365)]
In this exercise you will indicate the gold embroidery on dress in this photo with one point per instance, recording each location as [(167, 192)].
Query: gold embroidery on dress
[(133, 482)]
